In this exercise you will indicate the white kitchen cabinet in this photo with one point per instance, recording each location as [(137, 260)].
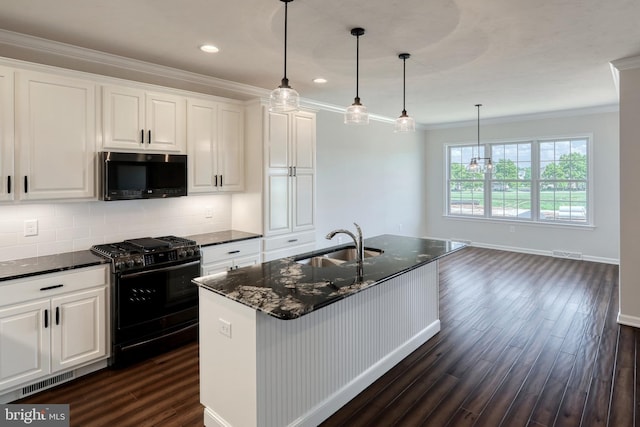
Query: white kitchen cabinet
[(224, 257), (52, 323), (55, 136), (215, 146), (289, 172), (7, 175), (135, 119)]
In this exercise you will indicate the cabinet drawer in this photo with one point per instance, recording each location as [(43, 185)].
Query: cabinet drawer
[(289, 240), (47, 285), (226, 251)]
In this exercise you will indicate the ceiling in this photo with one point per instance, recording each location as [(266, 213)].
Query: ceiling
[(516, 57)]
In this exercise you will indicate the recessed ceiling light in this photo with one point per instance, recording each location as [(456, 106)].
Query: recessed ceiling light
[(209, 48), (320, 80)]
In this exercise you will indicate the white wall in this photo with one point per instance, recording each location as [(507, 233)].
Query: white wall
[(598, 243), (66, 227), (368, 175), (630, 202)]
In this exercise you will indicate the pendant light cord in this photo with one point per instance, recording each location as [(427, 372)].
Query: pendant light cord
[(357, 65), (285, 40), (478, 107), (404, 84)]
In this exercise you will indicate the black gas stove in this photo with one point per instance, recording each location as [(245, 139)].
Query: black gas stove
[(139, 254), (154, 304)]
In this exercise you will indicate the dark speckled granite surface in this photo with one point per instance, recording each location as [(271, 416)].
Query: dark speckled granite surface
[(27, 267), (220, 237), (287, 290)]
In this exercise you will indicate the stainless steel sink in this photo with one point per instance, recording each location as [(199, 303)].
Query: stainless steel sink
[(337, 257)]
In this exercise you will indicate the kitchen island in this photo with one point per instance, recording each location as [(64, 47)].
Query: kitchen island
[(288, 343)]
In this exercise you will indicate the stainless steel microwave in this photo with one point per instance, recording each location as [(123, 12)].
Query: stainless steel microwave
[(129, 176)]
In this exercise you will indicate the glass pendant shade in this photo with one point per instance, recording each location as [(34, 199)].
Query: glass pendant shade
[(356, 114), (404, 123), (284, 98)]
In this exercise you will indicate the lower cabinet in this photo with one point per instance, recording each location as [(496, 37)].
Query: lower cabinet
[(65, 327), (221, 258)]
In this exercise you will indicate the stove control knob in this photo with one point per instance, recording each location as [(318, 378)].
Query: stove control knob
[(119, 265), (130, 263), (190, 252), (182, 254), (138, 261)]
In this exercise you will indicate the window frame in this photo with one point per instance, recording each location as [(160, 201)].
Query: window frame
[(534, 181)]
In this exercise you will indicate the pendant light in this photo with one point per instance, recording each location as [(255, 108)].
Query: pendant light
[(474, 165), (284, 98), (356, 113), (404, 123)]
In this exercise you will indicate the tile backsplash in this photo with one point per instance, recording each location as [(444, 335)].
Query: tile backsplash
[(66, 227)]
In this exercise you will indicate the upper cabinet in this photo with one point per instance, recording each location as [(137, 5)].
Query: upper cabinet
[(289, 172), (215, 145), (55, 136), (7, 176), (135, 119)]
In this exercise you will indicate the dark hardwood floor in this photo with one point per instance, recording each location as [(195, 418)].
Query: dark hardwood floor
[(526, 341)]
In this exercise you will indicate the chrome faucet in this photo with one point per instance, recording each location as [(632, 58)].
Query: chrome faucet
[(356, 239)]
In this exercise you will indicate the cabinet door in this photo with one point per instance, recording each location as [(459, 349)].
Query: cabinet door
[(24, 343), (246, 261), (217, 267), (277, 149), (278, 202), (202, 131), (304, 141), (78, 328), (7, 176), (123, 118), (303, 200), (230, 159), (55, 119), (165, 119)]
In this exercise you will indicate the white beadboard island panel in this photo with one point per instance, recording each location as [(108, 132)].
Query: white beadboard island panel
[(298, 372)]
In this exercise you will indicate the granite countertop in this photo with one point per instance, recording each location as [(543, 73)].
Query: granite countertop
[(27, 267), (287, 290), (221, 237)]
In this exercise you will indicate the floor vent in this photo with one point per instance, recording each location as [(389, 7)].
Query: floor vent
[(567, 254), (50, 382)]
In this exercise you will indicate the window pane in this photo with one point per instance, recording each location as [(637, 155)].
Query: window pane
[(563, 181), (466, 198), (511, 199)]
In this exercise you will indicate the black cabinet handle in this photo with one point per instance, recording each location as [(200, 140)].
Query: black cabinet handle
[(46, 288), (149, 136), (292, 240), (216, 181), (221, 181), (9, 184), (294, 171), (46, 318), (57, 315), (233, 252), (26, 184), (141, 136)]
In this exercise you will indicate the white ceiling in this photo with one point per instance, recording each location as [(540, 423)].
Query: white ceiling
[(514, 56)]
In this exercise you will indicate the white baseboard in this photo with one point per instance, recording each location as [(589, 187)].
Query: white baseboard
[(627, 320)]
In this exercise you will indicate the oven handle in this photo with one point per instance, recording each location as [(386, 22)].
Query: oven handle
[(159, 270)]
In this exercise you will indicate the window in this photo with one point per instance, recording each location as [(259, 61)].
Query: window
[(541, 180)]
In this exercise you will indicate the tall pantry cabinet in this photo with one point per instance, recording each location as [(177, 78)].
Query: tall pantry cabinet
[(283, 145)]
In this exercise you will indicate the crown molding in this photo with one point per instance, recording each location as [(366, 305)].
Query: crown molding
[(611, 108), (65, 50), (627, 63)]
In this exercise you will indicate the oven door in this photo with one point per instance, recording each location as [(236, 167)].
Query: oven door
[(157, 296)]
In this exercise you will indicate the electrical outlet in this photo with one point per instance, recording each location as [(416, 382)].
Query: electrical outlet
[(208, 212), (30, 227), (224, 327)]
